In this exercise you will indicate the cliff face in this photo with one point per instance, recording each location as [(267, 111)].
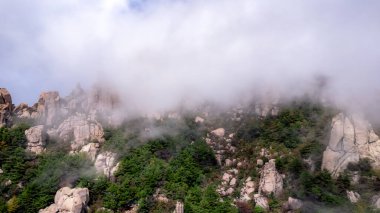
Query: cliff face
[(351, 139), (6, 107)]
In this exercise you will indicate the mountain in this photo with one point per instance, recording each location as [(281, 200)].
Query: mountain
[(83, 153)]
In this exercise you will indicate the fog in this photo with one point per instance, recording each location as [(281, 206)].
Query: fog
[(164, 52)]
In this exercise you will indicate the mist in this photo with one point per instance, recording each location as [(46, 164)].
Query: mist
[(158, 54)]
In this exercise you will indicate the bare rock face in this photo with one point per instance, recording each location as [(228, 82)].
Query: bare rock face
[(270, 180), (78, 130), (36, 138), (6, 107), (49, 107), (353, 196), (105, 163), (91, 150), (69, 201), (351, 139)]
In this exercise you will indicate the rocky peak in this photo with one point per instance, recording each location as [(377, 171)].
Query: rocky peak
[(351, 138), (48, 107), (6, 107)]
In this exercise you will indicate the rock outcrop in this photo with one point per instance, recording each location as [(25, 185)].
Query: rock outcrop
[(199, 119), (69, 201), (91, 150), (6, 107), (261, 201), (218, 132), (247, 189), (79, 131), (376, 201), (36, 138), (270, 180), (292, 204), (179, 208), (105, 163), (353, 196), (49, 107), (351, 139), (24, 111)]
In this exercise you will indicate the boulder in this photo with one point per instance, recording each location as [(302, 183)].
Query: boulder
[(218, 132), (353, 196), (6, 107), (229, 162), (105, 163), (351, 139), (69, 200), (247, 190), (79, 131), (233, 182), (199, 119), (36, 139), (270, 179), (292, 204), (259, 162)]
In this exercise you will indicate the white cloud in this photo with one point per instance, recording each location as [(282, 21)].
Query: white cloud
[(158, 52)]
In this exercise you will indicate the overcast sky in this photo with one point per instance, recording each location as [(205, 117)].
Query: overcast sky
[(163, 51)]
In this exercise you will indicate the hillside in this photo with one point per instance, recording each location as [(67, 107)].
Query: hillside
[(72, 154)]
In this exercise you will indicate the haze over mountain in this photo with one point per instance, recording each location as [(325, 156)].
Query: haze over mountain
[(159, 53)]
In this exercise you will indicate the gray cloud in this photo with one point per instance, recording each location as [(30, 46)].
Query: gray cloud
[(161, 52)]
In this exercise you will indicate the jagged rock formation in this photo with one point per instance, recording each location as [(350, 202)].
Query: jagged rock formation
[(69, 201), (36, 138), (270, 180), (6, 107), (351, 139), (105, 163), (24, 111), (79, 131), (353, 196), (49, 107)]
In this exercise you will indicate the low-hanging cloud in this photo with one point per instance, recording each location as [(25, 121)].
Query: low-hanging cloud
[(159, 53)]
